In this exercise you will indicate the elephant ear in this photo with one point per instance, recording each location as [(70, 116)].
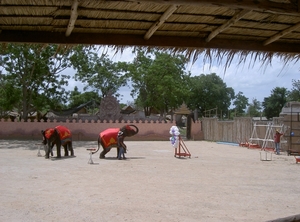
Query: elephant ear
[(48, 133)]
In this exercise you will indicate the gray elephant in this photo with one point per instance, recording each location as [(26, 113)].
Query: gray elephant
[(59, 136), (108, 138)]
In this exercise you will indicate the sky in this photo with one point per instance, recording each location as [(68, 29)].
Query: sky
[(255, 82)]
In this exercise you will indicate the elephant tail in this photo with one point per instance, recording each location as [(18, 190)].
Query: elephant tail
[(99, 144)]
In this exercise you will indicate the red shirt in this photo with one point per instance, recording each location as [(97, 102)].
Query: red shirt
[(277, 137)]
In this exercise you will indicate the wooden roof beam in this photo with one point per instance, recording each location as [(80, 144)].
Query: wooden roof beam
[(137, 40), (229, 23), (262, 5), (73, 18), (161, 20), (280, 34)]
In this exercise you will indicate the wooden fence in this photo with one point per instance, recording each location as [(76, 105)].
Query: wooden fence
[(238, 130), (227, 131)]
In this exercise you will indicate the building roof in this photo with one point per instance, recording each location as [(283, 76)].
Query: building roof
[(127, 110), (71, 111), (191, 26), (183, 110)]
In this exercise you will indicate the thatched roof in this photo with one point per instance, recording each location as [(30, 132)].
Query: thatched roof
[(222, 28), (127, 110), (71, 111)]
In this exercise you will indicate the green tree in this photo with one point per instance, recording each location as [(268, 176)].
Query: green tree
[(294, 94), (254, 108), (8, 95), (32, 75), (99, 73), (274, 103), (208, 92), (159, 80), (78, 98), (240, 103), (90, 99)]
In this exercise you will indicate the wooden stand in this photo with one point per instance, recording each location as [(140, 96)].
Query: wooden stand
[(265, 156), (91, 154), (39, 148), (182, 150)]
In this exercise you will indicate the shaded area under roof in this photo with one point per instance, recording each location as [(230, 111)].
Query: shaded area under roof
[(193, 27)]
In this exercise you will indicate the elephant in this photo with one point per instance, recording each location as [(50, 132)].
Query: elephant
[(108, 138), (59, 136)]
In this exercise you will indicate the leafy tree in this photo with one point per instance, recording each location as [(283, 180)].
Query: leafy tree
[(100, 73), (294, 94), (159, 80), (208, 92), (32, 76), (254, 108), (8, 95), (274, 103), (240, 103), (78, 98)]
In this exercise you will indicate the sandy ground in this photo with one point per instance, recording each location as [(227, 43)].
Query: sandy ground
[(218, 183)]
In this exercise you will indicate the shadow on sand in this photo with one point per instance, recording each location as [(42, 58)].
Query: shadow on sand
[(61, 158), (127, 158)]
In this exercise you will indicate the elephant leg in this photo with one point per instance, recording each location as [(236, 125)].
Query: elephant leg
[(71, 149), (47, 154), (66, 149), (58, 150), (103, 153), (51, 149), (118, 151)]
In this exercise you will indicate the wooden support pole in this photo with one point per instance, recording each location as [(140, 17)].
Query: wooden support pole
[(280, 34), (161, 20), (73, 18), (227, 24)]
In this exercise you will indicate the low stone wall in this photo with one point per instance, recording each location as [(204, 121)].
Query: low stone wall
[(84, 131)]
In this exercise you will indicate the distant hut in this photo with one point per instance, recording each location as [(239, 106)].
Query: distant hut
[(184, 118)]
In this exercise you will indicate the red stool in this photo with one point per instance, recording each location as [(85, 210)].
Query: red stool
[(297, 159)]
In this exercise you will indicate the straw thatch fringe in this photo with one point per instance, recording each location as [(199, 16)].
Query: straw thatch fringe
[(221, 57), (224, 58)]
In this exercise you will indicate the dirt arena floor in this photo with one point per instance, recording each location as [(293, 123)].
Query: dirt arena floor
[(220, 182)]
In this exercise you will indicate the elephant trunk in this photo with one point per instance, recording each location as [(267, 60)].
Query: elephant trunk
[(48, 150), (136, 129)]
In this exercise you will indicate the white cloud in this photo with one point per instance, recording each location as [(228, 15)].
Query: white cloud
[(254, 81), (72, 83)]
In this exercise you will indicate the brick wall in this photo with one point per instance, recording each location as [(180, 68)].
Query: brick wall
[(83, 131)]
